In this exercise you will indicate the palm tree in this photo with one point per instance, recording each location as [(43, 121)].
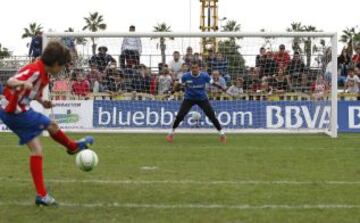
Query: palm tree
[(348, 37), (163, 27), (4, 52), (94, 23), (296, 27), (32, 30), (231, 26)]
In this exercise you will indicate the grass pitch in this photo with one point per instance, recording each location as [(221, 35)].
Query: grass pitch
[(142, 178)]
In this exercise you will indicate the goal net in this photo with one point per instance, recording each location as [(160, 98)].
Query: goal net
[(124, 82)]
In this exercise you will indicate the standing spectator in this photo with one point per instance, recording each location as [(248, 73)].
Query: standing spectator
[(296, 70), (219, 81), (175, 64), (95, 78), (183, 70), (260, 58), (198, 59), (221, 64), (352, 82), (165, 81), (35, 49), (209, 60), (61, 86), (319, 88), (188, 57), (81, 87), (131, 49), (282, 58), (102, 59), (356, 57), (344, 61), (237, 88), (269, 67)]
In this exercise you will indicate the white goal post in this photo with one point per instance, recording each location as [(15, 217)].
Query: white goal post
[(295, 101)]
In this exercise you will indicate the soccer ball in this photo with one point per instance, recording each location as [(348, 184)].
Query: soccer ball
[(86, 160), (196, 116)]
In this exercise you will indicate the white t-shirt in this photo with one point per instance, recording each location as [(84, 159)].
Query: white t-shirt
[(164, 83), (176, 66), (355, 86), (234, 91)]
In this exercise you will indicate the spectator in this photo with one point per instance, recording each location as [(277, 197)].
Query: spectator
[(295, 70), (116, 85), (209, 60), (352, 82), (1, 88), (344, 61), (153, 83), (282, 58), (221, 64), (142, 80), (188, 57), (131, 49), (95, 78), (319, 88), (165, 82), (61, 87), (280, 83), (184, 69), (102, 59), (219, 81), (69, 42), (198, 59), (356, 57), (36, 45), (252, 84), (176, 63), (237, 88), (269, 67), (261, 58), (81, 87)]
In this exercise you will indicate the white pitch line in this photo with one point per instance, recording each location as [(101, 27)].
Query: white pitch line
[(194, 182), (195, 206)]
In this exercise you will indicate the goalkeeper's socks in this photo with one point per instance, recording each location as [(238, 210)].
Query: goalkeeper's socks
[(221, 132), (172, 132), (64, 140)]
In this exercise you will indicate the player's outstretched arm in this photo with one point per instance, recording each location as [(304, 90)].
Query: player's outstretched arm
[(14, 83)]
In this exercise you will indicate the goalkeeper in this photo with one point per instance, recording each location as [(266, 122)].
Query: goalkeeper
[(194, 83)]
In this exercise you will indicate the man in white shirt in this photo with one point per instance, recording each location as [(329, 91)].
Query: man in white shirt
[(176, 63), (352, 82), (130, 50)]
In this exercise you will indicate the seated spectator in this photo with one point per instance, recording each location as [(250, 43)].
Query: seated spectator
[(319, 88), (116, 84), (130, 51), (109, 72), (102, 59), (176, 63), (81, 87), (165, 82), (198, 59), (61, 86), (296, 69), (265, 87), (141, 82), (282, 58), (237, 88), (35, 48), (219, 81), (95, 78), (252, 84), (184, 68), (188, 57), (261, 58), (153, 84), (279, 82), (352, 82), (356, 57)]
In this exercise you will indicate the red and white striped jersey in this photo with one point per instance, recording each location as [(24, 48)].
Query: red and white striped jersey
[(18, 99)]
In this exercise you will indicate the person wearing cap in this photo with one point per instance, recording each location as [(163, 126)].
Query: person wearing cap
[(101, 59), (130, 50)]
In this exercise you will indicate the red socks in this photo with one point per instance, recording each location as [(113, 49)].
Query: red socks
[(64, 140), (37, 174)]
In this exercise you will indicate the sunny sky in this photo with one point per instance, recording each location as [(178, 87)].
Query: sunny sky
[(252, 15)]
